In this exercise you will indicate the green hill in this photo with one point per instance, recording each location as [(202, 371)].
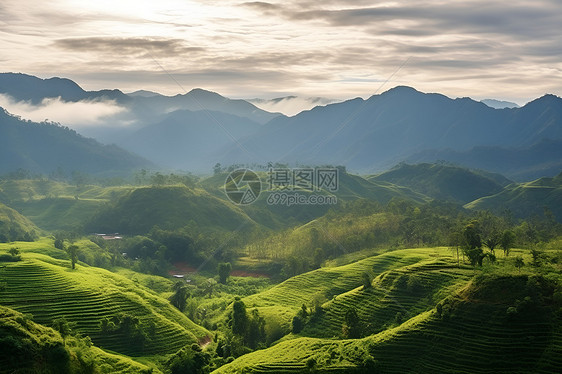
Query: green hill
[(350, 187), (525, 199), (28, 347), (444, 182), (116, 313), (169, 207), (450, 321), (14, 226)]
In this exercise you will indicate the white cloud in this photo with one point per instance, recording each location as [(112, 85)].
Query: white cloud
[(505, 49), (291, 105), (72, 114)]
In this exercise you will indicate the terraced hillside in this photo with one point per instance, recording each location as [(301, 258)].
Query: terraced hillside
[(48, 289), (283, 301), (495, 321), (395, 296), (28, 347)]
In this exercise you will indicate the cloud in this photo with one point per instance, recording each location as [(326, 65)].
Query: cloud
[(128, 46), (72, 114), (331, 48), (291, 105)]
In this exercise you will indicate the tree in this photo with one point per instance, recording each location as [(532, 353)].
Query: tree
[(239, 317), (14, 251), (180, 295), (352, 327), (297, 324), (189, 360), (506, 241), (224, 270), (492, 241), (255, 332), (73, 254), (63, 327), (366, 281), (473, 244), (519, 263), (217, 169), (59, 238)]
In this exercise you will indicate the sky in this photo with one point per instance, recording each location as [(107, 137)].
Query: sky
[(509, 50)]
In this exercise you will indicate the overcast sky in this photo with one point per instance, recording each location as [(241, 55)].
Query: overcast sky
[(338, 49)]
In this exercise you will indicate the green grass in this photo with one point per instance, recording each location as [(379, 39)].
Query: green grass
[(525, 199), (170, 207), (444, 182), (14, 226), (28, 347), (470, 333), (283, 301), (48, 289)]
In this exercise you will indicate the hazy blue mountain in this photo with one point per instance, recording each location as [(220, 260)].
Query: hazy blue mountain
[(499, 104), (45, 147), (189, 140), (143, 93), (199, 99), (24, 87), (374, 134), (145, 107), (543, 158), (444, 182)]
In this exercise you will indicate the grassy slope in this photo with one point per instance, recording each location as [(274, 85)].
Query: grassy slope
[(442, 182), (350, 187), (48, 289), (283, 301), (55, 205), (14, 226), (28, 347), (169, 207), (473, 333), (525, 199)]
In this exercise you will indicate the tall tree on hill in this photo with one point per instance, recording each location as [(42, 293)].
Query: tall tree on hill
[(180, 295), (239, 321), (473, 243), (224, 269), (506, 242), (73, 254)]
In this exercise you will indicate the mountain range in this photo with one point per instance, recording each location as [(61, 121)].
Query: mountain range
[(195, 130)]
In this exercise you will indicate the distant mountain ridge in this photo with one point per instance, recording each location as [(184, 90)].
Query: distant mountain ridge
[(374, 134), (46, 147), (146, 107), (367, 136)]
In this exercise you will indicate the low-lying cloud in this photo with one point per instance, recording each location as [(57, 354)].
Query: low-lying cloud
[(72, 114)]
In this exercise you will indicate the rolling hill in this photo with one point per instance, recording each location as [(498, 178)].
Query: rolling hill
[(28, 347), (169, 207), (420, 305), (522, 164), (525, 199), (444, 182), (14, 226), (46, 147), (48, 289)]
